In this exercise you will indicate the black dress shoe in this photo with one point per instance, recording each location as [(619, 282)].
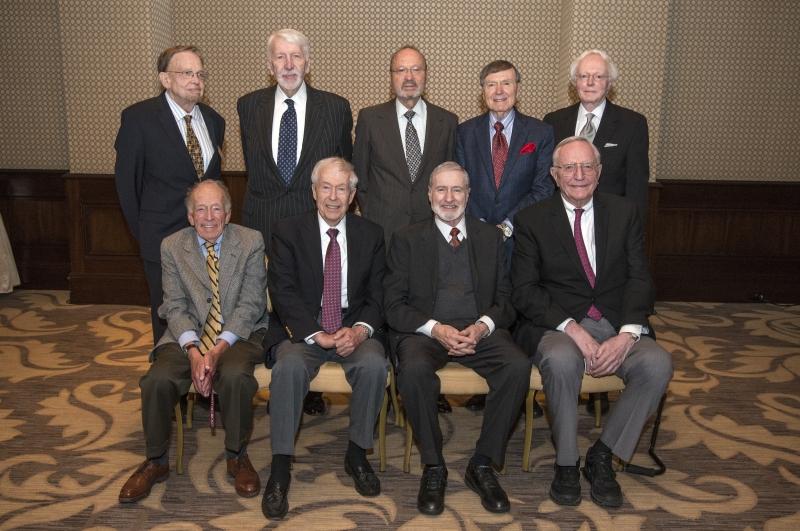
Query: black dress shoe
[(606, 492), (566, 486), (366, 482), (483, 480), (476, 403), (275, 503), (313, 404), (603, 403), (444, 405), (430, 499)]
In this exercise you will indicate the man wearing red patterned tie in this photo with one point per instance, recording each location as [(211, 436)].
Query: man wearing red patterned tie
[(325, 280), (581, 284), (215, 307)]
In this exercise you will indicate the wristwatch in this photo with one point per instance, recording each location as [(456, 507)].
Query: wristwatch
[(365, 328), (506, 230)]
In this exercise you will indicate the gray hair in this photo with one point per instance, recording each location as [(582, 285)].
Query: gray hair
[(338, 164), (291, 36), (613, 72), (570, 140), (226, 195), (449, 166)]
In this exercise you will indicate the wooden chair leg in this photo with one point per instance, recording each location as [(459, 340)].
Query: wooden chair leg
[(409, 442), (597, 410), (399, 418), (526, 448), (179, 438), (382, 432), (190, 398)]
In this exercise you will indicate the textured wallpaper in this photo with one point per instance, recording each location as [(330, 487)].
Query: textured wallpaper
[(717, 80)]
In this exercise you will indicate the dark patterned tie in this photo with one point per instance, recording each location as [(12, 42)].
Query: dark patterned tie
[(588, 129), (287, 143), (194, 147), (499, 153), (213, 324), (413, 150), (593, 312), (332, 286), (454, 241)]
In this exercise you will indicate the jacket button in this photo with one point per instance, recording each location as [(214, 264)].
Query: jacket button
[(208, 299)]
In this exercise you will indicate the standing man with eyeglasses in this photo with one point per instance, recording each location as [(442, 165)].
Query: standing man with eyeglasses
[(398, 144), (581, 284), (286, 129), (164, 146)]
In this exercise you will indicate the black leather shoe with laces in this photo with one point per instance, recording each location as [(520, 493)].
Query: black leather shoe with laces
[(600, 473), (483, 480), (566, 486), (430, 499)]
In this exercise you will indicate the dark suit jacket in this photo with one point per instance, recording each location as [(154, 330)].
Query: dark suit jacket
[(412, 276), (548, 278), (295, 276), (386, 194), (623, 141), (328, 130), (154, 170), (187, 287), (526, 176)]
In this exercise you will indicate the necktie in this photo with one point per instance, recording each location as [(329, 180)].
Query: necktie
[(499, 153), (213, 324), (332, 286), (454, 241), (593, 312), (413, 150), (194, 147), (588, 130), (287, 143)]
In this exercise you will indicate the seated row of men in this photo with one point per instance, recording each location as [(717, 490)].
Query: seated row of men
[(580, 298)]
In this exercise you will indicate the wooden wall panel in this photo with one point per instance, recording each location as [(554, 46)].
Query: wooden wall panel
[(34, 212)]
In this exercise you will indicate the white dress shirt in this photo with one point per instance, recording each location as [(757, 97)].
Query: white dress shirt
[(597, 117), (419, 121), (300, 100), (198, 126)]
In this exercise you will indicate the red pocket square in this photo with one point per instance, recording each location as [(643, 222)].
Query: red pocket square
[(530, 147)]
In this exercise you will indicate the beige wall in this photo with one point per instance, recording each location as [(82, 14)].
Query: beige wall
[(717, 80)]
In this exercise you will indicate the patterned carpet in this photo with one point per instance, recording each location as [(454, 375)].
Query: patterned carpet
[(70, 430)]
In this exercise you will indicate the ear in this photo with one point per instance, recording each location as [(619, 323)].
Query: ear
[(165, 80)]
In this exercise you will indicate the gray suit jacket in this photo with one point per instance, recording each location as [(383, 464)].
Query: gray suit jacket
[(187, 287), (328, 133), (386, 194)]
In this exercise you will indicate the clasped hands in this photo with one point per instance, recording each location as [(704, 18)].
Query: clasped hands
[(603, 358), (204, 367), (345, 340), (459, 342)]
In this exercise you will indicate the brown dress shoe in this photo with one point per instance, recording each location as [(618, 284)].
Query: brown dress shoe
[(245, 478), (142, 480)]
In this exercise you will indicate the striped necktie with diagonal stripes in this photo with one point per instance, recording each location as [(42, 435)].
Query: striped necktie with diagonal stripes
[(213, 325)]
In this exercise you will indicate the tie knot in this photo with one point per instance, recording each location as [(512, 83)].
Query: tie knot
[(454, 232), (409, 114), (333, 233), (210, 249), (578, 212), (187, 118), (289, 102), (498, 126)]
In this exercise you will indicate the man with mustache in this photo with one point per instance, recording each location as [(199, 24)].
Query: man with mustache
[(286, 129)]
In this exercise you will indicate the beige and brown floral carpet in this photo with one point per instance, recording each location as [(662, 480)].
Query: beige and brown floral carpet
[(70, 431)]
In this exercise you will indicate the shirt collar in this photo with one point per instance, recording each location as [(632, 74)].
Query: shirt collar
[(217, 243), (445, 229), (507, 121), (177, 110), (300, 97), (571, 208), (597, 112), (419, 108), (323, 226)]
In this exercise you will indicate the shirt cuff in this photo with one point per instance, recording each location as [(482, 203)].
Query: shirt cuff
[(367, 326), (190, 336), (310, 339), (508, 222), (634, 329), (230, 337), (427, 328), (563, 325), (489, 322)]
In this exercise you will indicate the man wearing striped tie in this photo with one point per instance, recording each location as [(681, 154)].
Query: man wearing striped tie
[(215, 306)]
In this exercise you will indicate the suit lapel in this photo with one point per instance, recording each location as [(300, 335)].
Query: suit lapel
[(473, 245), (433, 124), (264, 114), (213, 133), (230, 251), (429, 250), (309, 231), (312, 130), (518, 134), (561, 229), (607, 125), (391, 138), (600, 237), (195, 259), (173, 133), (481, 141)]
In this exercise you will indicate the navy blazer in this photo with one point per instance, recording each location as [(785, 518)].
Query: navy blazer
[(154, 170), (526, 176), (623, 142)]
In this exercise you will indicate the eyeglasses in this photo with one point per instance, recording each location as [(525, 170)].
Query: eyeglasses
[(186, 75), (415, 70), (593, 77), (589, 169)]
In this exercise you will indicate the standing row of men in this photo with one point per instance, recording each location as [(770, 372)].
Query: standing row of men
[(443, 300)]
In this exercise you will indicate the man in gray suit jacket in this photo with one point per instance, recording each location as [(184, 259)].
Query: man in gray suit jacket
[(581, 283), (390, 146), (214, 334)]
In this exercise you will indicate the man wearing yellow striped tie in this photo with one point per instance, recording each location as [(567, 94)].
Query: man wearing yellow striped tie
[(214, 282)]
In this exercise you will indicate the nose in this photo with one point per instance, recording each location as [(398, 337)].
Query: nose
[(289, 63)]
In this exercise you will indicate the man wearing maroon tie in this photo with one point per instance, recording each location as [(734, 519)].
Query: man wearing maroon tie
[(581, 284), (325, 279)]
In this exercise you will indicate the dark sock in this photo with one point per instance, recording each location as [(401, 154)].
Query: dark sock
[(355, 452), (480, 460), (230, 454), (163, 459), (279, 470)]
